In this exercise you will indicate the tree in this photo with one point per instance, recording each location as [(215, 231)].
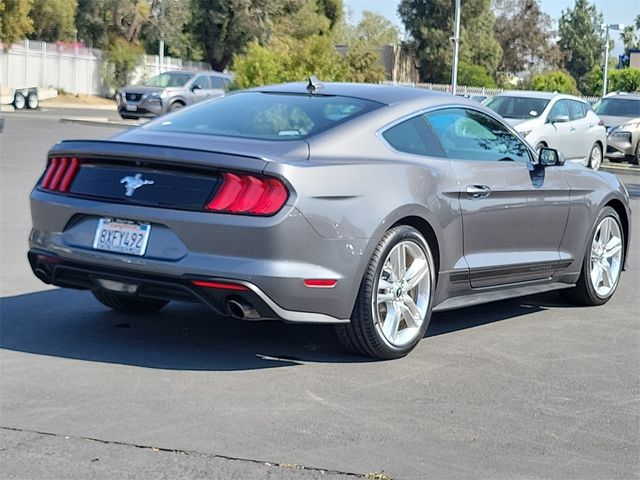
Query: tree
[(474, 76), (581, 40), (15, 23), (523, 31), (625, 80), (225, 27), (122, 58), (54, 20), (631, 35), (554, 81), (431, 26), (373, 30), (169, 17)]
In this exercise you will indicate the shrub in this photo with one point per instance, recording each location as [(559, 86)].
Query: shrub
[(122, 59), (555, 81)]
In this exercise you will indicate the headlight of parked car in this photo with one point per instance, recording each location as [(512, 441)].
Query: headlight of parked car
[(620, 135)]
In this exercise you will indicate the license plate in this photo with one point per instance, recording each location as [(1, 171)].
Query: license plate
[(131, 108), (121, 236)]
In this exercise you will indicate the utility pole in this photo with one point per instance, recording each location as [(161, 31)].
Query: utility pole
[(161, 43), (456, 46), (606, 54)]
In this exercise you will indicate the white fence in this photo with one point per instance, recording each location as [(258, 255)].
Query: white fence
[(467, 90), (71, 67)]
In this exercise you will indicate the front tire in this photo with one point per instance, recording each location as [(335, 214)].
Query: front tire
[(32, 101), (393, 306), (175, 106), (602, 263), (635, 160), (595, 157), (126, 304)]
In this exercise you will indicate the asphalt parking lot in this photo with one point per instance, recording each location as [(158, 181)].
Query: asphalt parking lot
[(518, 389)]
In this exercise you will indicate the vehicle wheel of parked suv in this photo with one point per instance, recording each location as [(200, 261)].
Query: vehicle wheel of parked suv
[(393, 306), (602, 262), (595, 157), (176, 106), (126, 304), (635, 160)]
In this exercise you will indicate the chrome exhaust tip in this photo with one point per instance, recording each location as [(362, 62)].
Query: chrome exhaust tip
[(240, 309)]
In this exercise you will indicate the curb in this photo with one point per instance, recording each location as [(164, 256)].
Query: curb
[(63, 106), (615, 168), (100, 122)]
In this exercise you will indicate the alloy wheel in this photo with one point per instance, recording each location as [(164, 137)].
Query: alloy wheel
[(595, 159), (403, 293), (606, 257)]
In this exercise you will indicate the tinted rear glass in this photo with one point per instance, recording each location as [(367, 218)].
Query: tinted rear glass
[(619, 107), (518, 107), (269, 116), (168, 79)]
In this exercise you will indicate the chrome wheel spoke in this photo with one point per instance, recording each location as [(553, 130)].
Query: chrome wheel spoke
[(596, 275), (415, 273), (605, 232), (612, 247), (608, 275), (410, 311), (391, 324), (398, 261)]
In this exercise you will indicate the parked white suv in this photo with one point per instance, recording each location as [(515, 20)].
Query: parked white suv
[(559, 121)]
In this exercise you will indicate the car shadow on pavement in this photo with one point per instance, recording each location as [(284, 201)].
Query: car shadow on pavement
[(183, 336)]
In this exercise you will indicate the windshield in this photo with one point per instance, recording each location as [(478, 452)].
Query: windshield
[(518, 107), (619, 107), (270, 116), (169, 79)]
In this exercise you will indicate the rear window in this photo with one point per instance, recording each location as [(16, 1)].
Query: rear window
[(270, 116), (619, 107), (518, 107)]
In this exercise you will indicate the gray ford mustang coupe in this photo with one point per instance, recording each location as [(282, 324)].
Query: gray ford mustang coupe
[(363, 206)]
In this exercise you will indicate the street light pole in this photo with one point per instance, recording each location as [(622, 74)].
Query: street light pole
[(606, 61), (605, 72), (456, 46), (161, 43)]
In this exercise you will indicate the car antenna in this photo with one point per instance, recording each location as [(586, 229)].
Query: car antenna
[(314, 84)]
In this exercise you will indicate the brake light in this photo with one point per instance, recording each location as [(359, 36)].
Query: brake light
[(249, 195), (60, 174)]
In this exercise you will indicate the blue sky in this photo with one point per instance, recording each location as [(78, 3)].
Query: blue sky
[(614, 11)]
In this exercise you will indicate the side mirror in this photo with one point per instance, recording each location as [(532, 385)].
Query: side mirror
[(560, 119), (196, 86), (550, 157)]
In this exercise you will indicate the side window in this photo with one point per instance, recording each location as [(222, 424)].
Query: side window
[(560, 108), (578, 110), (202, 81), (218, 83), (414, 136), (472, 135)]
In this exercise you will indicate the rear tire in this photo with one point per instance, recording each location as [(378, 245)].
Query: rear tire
[(595, 157), (175, 106), (126, 304), (635, 160), (393, 306), (602, 262)]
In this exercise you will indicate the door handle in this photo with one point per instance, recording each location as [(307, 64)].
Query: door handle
[(573, 129), (478, 191)]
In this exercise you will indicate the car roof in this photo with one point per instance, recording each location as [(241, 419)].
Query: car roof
[(634, 95), (200, 72), (386, 94), (534, 94)]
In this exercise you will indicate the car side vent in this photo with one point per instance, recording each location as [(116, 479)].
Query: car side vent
[(243, 194), (60, 174)]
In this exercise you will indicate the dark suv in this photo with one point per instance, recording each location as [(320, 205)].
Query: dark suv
[(170, 91)]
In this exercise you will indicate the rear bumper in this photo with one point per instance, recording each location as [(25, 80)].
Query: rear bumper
[(217, 293)]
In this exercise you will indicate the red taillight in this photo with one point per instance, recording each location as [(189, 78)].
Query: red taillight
[(60, 174), (219, 285), (320, 283), (249, 194)]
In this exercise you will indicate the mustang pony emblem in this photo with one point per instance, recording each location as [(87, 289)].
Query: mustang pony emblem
[(133, 183)]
